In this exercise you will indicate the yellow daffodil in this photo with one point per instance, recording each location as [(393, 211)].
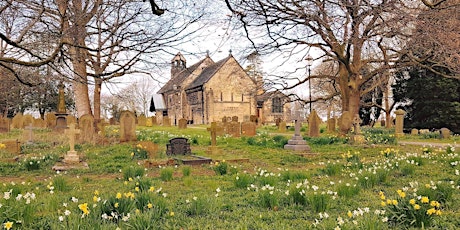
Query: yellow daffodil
[(8, 225), (434, 203), (116, 205), (118, 195), (149, 205), (430, 211), (412, 201), (84, 208), (438, 212), (349, 214), (383, 204), (95, 199), (425, 200), (171, 213), (137, 189), (416, 207), (394, 202), (96, 192), (151, 189)]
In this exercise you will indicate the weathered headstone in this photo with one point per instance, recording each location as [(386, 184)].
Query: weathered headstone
[(253, 118), (235, 118), (224, 119), (278, 121), (71, 119), (4, 125), (345, 122), (331, 125), (148, 122), (182, 123), (127, 126), (142, 120), (154, 121), (234, 129), (112, 121), (282, 127), (72, 156), (248, 129), (27, 120), (357, 137), (86, 125), (166, 121), (28, 134), (445, 133), (39, 123), (313, 124), (424, 131), (399, 123), (414, 132), (16, 122), (178, 146), (297, 143), (50, 119)]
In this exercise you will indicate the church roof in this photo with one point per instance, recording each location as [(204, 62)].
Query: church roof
[(179, 78), (207, 73)]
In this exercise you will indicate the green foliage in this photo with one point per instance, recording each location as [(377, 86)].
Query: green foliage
[(139, 152), (60, 184), (325, 140), (38, 162), (437, 109), (297, 196), (332, 169), (407, 169), (220, 168), (243, 180), (197, 206), (318, 202), (131, 172), (293, 176), (186, 171), (268, 197), (166, 174), (440, 192), (379, 136), (347, 190)]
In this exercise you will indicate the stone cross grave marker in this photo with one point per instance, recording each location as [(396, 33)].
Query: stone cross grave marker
[(71, 133), (214, 129), (297, 143)]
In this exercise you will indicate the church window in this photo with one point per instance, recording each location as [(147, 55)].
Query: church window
[(277, 106)]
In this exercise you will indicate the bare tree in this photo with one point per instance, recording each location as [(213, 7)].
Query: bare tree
[(362, 38)]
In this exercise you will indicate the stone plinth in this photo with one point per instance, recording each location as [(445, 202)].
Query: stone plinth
[(61, 122), (297, 143), (71, 157)]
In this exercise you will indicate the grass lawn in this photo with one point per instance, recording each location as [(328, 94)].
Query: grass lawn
[(252, 183)]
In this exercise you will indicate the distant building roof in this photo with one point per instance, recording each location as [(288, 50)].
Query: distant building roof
[(179, 78), (157, 103), (207, 73)]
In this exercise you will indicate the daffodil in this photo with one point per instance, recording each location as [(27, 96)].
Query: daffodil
[(84, 208), (151, 189), (425, 200), (430, 211), (149, 205), (412, 201), (416, 207), (118, 196), (8, 225)]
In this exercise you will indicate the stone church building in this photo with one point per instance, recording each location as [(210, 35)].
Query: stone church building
[(208, 91)]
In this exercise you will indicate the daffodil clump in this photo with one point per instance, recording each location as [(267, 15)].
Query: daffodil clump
[(409, 209), (139, 152), (389, 152)]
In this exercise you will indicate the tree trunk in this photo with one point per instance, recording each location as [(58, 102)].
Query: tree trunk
[(80, 83), (97, 98)]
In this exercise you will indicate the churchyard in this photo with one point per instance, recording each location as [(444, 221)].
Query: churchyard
[(251, 182)]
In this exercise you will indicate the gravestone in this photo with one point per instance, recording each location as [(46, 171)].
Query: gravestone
[(39, 123), (297, 143), (357, 137), (399, 123), (71, 119), (182, 123), (248, 129), (71, 156), (142, 120), (235, 118), (127, 126), (445, 133), (345, 123), (112, 121), (313, 124), (221, 129), (4, 125), (86, 125), (166, 121), (414, 132), (28, 134), (178, 146), (253, 118), (16, 122), (224, 119), (282, 127), (100, 125), (331, 125), (154, 121), (148, 122), (214, 130), (382, 123), (50, 119), (27, 120), (424, 131), (234, 129)]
